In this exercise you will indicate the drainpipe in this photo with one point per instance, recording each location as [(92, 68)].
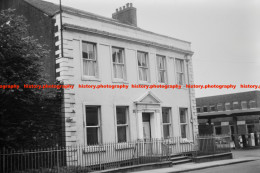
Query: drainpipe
[(190, 99), (61, 30)]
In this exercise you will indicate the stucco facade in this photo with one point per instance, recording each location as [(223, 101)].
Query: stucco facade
[(106, 34), (137, 50)]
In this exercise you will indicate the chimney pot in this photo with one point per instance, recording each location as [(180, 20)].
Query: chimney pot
[(126, 14)]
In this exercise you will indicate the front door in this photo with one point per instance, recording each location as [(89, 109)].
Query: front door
[(147, 134), (146, 130), (146, 126)]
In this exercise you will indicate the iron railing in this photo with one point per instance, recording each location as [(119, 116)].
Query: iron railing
[(92, 158), (213, 144)]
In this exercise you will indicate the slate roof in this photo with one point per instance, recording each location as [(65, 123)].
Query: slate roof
[(52, 9)]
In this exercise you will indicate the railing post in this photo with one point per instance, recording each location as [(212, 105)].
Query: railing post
[(58, 165), (3, 159), (99, 156)]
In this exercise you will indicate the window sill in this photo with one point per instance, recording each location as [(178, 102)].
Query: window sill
[(124, 146), (159, 83), (170, 142), (90, 78), (93, 149), (144, 82), (119, 81), (185, 141)]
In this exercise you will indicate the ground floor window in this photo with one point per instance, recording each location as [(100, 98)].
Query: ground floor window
[(217, 130), (250, 128), (166, 120), (184, 122), (122, 123), (93, 125)]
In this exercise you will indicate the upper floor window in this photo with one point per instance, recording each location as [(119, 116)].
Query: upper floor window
[(235, 105), (219, 107), (184, 122), (143, 66), (244, 105), (205, 109), (93, 125), (166, 120), (198, 109), (227, 106), (118, 58), (122, 123), (89, 55), (180, 71), (252, 104), (161, 63), (212, 108)]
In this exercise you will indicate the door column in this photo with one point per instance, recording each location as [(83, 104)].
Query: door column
[(139, 123)]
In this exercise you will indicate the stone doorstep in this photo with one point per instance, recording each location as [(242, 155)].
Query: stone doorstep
[(140, 167)]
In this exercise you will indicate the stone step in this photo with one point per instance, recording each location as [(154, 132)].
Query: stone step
[(181, 161), (178, 158)]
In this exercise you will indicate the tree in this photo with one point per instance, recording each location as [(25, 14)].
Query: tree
[(24, 116)]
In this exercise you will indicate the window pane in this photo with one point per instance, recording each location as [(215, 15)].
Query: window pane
[(88, 51), (145, 74), (121, 115), (166, 131), (244, 105), (212, 108), (179, 65), (227, 106), (92, 116), (118, 63), (117, 55), (180, 78), (235, 105), (205, 109), (161, 76), (184, 131), (250, 128), (165, 115), (89, 68), (183, 116), (92, 136), (220, 108), (252, 104), (91, 51), (84, 50), (218, 130), (139, 59), (118, 71), (161, 61), (121, 133)]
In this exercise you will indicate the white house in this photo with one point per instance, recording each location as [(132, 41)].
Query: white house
[(114, 51)]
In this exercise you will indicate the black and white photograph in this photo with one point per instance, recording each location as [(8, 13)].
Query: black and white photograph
[(147, 86)]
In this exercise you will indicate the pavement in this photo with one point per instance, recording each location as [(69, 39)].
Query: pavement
[(239, 156)]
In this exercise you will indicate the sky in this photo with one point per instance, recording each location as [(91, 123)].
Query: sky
[(225, 35)]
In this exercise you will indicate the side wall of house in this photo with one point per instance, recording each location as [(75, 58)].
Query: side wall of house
[(41, 27)]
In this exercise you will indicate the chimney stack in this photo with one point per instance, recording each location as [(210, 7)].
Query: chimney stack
[(126, 14)]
